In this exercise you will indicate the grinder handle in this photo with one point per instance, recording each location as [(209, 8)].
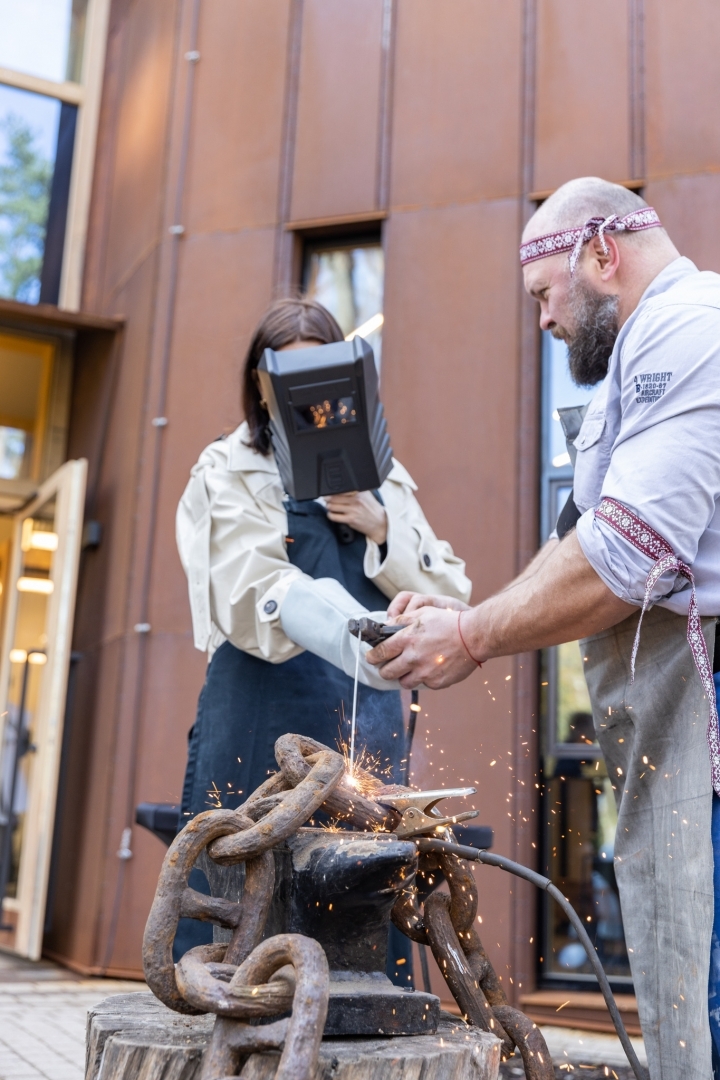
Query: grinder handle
[(372, 632)]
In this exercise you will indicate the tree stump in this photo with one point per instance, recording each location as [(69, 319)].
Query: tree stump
[(135, 1037)]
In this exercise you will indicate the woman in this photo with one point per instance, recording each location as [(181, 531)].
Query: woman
[(272, 582)]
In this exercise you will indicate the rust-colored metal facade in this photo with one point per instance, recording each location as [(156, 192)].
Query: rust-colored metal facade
[(443, 122)]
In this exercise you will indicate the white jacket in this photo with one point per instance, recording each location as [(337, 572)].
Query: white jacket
[(231, 528)]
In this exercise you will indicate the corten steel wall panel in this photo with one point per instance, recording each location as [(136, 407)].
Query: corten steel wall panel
[(135, 199), (170, 694), (336, 139), (682, 83), (689, 208), (225, 286), (449, 385), (123, 442), (582, 97), (105, 584), (94, 366), (238, 109), (448, 378), (456, 115)]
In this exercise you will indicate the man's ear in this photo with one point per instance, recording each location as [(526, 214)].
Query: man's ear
[(603, 263)]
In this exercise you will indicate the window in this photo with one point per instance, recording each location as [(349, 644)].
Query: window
[(35, 376), (580, 816), (50, 76), (347, 275)]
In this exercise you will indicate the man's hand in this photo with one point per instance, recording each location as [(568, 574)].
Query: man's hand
[(407, 603), (361, 511), (428, 651), (564, 599)]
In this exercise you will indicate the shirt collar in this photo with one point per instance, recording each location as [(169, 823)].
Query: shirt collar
[(675, 271)]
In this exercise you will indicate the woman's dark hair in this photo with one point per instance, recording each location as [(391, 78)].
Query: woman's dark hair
[(284, 322)]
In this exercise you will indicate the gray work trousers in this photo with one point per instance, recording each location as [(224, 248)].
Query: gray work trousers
[(652, 733)]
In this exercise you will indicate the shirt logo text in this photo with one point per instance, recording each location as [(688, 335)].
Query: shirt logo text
[(651, 386)]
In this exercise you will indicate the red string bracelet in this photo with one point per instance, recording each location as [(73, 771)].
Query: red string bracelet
[(460, 615)]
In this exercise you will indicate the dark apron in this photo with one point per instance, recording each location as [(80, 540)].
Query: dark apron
[(247, 703)]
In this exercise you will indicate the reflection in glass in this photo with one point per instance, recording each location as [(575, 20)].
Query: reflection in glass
[(28, 656), (43, 37), (28, 143), (580, 814), (560, 392), (581, 839), (573, 712), (25, 376), (332, 412), (349, 281), (12, 452)]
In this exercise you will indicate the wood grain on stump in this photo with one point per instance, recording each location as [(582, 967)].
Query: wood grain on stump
[(134, 1037)]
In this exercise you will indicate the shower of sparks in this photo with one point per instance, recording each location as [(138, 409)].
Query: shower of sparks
[(359, 769), (215, 797)]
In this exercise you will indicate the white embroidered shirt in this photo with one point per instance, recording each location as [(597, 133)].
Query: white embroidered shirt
[(651, 440)]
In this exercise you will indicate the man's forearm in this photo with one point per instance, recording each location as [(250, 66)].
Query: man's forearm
[(564, 599), (534, 565)]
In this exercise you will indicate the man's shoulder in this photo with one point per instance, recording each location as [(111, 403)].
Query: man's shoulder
[(701, 290)]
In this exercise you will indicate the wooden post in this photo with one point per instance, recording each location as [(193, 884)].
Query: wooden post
[(133, 1035)]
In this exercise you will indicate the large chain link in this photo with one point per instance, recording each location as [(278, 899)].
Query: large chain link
[(248, 979), (446, 922)]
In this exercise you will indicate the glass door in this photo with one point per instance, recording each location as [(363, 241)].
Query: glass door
[(39, 602)]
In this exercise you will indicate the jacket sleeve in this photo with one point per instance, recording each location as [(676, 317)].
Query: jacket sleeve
[(415, 560), (236, 563)]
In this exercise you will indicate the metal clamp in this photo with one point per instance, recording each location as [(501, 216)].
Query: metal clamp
[(418, 810)]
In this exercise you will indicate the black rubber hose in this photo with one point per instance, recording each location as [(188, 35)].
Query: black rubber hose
[(490, 859)]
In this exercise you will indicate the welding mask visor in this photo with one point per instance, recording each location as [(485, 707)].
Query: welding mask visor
[(326, 420)]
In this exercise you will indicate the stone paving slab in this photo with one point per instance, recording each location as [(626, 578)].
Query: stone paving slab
[(42, 1025), (586, 1054)]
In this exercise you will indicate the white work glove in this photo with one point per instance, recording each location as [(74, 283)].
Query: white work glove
[(315, 613)]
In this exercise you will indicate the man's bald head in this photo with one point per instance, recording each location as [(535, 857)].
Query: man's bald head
[(575, 202), (588, 279)]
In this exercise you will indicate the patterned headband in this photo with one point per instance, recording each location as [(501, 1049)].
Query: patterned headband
[(572, 240)]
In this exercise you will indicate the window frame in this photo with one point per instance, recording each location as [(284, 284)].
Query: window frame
[(85, 96)]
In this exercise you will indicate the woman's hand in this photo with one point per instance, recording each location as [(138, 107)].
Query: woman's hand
[(407, 603), (361, 511)]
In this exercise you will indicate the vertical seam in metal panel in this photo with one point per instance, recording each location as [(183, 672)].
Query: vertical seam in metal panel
[(525, 710), (156, 461), (636, 59), (387, 85), (283, 254)]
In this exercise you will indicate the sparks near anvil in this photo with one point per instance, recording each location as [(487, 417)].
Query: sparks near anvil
[(302, 916)]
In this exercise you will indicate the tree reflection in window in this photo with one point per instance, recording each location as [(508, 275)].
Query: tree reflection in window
[(25, 178)]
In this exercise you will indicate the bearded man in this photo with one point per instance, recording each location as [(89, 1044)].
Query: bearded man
[(642, 534)]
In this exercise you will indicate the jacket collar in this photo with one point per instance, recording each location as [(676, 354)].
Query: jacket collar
[(242, 457)]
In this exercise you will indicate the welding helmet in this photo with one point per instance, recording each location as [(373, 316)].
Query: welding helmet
[(326, 421)]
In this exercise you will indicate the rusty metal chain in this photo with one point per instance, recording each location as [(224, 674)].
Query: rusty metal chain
[(286, 971), (445, 922), (248, 979)]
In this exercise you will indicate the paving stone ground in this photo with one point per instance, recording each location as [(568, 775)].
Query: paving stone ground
[(42, 1029), (42, 1019), (582, 1055)]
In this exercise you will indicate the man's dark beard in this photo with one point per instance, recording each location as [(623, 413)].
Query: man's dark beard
[(596, 318)]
